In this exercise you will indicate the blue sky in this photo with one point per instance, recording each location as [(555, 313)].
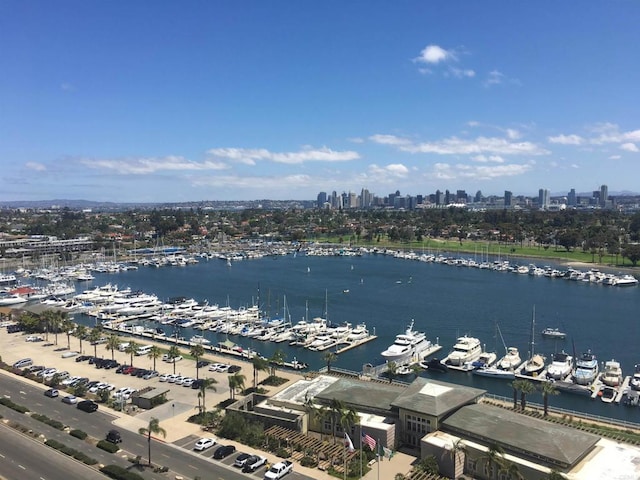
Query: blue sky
[(154, 101)]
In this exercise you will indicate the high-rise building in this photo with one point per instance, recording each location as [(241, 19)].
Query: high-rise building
[(604, 195), (461, 196), (322, 199), (366, 198), (543, 198), (571, 198), (508, 198), (439, 198), (478, 197)]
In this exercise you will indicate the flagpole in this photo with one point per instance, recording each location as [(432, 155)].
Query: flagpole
[(360, 454), (344, 460), (378, 452)]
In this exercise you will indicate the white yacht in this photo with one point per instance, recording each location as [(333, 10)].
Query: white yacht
[(359, 332), (612, 374), (467, 349), (511, 359), (561, 366), (586, 369), (406, 344)]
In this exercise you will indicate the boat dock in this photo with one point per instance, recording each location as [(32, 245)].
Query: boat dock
[(355, 343), (369, 370), (623, 387)]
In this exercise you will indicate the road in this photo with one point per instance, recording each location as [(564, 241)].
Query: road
[(179, 457)]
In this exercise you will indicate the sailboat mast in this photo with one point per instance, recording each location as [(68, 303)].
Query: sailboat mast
[(533, 330)]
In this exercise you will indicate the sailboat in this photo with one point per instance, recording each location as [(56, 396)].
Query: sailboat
[(535, 365), (503, 368)]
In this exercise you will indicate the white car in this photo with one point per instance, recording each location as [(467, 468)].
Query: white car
[(172, 378), (179, 379), (164, 377), (70, 399), (47, 372), (174, 359), (70, 380), (34, 338), (204, 443), (187, 382)]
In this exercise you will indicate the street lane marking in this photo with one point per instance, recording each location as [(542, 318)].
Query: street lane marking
[(21, 467)]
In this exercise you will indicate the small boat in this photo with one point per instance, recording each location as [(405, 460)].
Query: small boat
[(634, 383), (607, 394), (434, 364), (511, 359), (553, 333), (586, 370), (612, 374), (495, 372), (561, 366), (466, 349)]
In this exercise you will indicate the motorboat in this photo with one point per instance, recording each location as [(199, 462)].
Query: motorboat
[(586, 370), (485, 360), (511, 359), (406, 344), (12, 299), (634, 383), (496, 372), (359, 332), (626, 281), (611, 374), (561, 366), (553, 333), (607, 394), (466, 350), (199, 339), (434, 364)]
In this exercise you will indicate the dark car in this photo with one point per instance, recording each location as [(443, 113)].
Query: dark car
[(202, 363), (122, 368), (114, 436), (52, 392), (82, 358), (87, 406), (253, 463), (234, 369), (224, 451), (196, 384)]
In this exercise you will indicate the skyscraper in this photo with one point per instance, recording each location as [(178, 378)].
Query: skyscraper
[(508, 196), (571, 197), (543, 198), (604, 195), (322, 199)]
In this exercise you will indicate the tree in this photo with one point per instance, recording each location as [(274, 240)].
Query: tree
[(348, 418), (511, 469), (259, 364), (236, 382), (206, 384), (154, 353), (80, 333), (329, 358), (555, 475), (131, 349), (632, 252), (196, 351), (525, 389), (458, 452), (320, 414), (336, 407), (153, 428), (429, 464), (392, 370), (494, 459), (173, 353), (94, 337), (113, 343), (276, 359), (52, 321), (67, 327), (547, 388)]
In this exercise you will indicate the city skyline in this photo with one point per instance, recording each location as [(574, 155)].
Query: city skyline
[(166, 102)]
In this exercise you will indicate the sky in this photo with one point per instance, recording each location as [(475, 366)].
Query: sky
[(175, 101)]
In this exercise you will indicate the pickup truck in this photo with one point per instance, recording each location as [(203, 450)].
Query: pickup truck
[(279, 470), (253, 463)]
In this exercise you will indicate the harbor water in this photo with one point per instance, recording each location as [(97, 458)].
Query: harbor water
[(387, 293)]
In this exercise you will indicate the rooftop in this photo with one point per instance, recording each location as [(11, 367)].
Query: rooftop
[(435, 398)]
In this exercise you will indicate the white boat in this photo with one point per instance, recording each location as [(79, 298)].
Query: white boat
[(495, 372), (553, 333), (199, 339), (612, 373), (12, 299), (561, 366), (511, 359), (406, 344), (535, 365), (586, 370), (634, 383), (607, 394), (466, 350), (625, 281), (359, 332)]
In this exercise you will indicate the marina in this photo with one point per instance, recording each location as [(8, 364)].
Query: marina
[(386, 291)]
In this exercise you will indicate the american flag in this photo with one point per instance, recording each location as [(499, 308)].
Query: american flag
[(367, 439)]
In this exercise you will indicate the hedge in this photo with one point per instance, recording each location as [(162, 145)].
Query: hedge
[(13, 406), (119, 473), (107, 446), (72, 452), (78, 434), (49, 421)]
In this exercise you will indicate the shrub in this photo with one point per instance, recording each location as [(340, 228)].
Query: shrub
[(309, 462), (78, 434), (44, 419), (119, 473), (282, 453), (72, 452), (12, 405), (107, 446)]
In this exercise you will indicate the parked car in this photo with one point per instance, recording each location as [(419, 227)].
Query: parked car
[(114, 436), (87, 406), (197, 384), (187, 382), (253, 463), (164, 377), (202, 363), (223, 451), (82, 358), (52, 392), (174, 359), (150, 374), (241, 459), (70, 399), (24, 363), (204, 443), (234, 369)]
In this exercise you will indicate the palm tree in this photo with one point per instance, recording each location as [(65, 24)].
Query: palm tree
[(196, 351), (259, 364), (458, 452), (276, 359), (555, 475), (336, 407), (113, 342), (67, 327), (153, 428), (94, 336), (52, 320), (174, 352), (80, 333), (517, 386), (154, 353), (320, 414), (392, 370), (526, 388), (236, 382), (206, 384), (494, 457), (348, 418), (511, 470), (131, 349), (547, 388), (329, 358)]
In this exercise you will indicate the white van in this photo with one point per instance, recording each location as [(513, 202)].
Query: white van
[(143, 350), (123, 346)]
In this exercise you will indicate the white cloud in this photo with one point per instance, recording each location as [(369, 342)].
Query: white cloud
[(254, 182), (67, 87), (567, 139), (575, 165), (615, 157), (457, 146), (513, 134), (495, 77), (461, 73), (629, 147), (389, 140), (355, 140), (489, 159), (142, 166), (611, 134), (251, 156), (446, 171), (434, 54), (38, 167)]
